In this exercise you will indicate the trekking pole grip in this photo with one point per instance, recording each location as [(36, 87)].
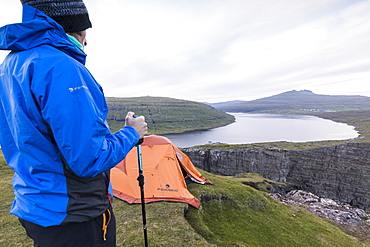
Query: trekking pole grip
[(140, 142), (142, 139)]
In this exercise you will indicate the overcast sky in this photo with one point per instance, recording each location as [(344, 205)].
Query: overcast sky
[(221, 50)]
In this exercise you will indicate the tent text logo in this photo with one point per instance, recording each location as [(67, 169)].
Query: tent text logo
[(168, 189)]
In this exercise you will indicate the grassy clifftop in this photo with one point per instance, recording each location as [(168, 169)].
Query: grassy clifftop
[(232, 214), (166, 115)]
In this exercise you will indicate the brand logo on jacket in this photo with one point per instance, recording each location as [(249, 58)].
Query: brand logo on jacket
[(71, 89)]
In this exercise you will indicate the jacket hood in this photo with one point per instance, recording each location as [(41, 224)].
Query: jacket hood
[(37, 29)]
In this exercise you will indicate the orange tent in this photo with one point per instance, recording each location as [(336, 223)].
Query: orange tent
[(165, 168)]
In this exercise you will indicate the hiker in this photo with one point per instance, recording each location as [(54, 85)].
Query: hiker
[(54, 133)]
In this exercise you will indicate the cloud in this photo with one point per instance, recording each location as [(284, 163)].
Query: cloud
[(213, 50)]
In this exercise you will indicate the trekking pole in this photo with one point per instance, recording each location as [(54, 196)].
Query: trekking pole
[(141, 180)]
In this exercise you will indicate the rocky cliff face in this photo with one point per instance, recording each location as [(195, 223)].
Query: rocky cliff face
[(338, 172)]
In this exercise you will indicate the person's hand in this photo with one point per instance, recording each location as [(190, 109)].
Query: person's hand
[(138, 123)]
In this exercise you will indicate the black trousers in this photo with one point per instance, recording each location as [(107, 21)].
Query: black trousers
[(86, 234)]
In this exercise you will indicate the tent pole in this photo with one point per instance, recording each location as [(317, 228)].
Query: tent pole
[(141, 180)]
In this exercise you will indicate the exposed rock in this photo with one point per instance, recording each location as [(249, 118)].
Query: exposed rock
[(338, 172), (339, 212)]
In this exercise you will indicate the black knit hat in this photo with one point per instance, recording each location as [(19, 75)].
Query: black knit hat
[(70, 14)]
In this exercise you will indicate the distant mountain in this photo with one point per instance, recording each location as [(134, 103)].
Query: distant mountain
[(293, 101)]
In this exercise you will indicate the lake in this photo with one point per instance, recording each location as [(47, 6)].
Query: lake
[(255, 128)]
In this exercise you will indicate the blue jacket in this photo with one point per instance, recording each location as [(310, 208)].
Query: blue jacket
[(53, 127)]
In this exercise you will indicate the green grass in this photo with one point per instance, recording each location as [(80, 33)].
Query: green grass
[(166, 115), (232, 214)]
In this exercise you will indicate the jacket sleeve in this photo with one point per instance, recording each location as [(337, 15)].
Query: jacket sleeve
[(73, 105)]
